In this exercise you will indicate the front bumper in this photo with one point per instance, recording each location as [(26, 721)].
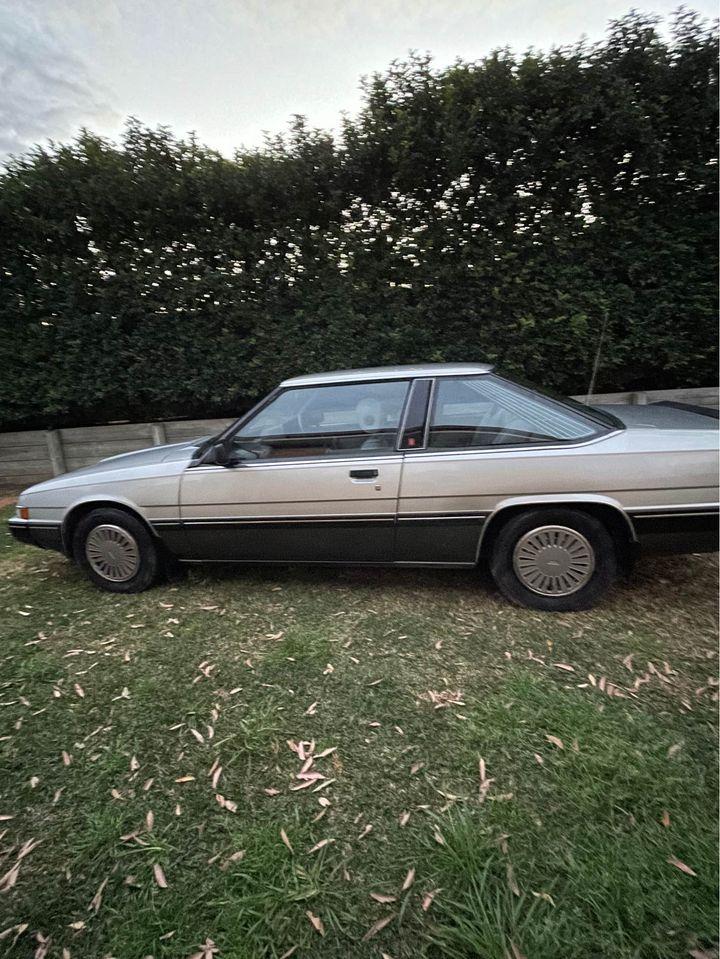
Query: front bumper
[(44, 535)]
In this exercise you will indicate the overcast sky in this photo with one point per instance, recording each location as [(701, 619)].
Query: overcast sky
[(231, 69)]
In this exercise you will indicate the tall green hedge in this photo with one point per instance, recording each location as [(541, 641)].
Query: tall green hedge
[(504, 210)]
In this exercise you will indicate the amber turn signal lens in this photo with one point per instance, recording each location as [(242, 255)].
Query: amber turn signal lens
[(24, 512)]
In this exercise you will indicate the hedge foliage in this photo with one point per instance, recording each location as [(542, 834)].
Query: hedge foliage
[(505, 210)]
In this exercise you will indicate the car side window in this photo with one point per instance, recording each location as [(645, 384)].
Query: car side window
[(334, 420), (488, 411)]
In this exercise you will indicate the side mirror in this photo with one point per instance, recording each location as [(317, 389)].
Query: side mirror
[(220, 454)]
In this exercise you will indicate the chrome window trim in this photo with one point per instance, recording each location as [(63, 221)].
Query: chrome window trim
[(512, 448), (429, 451)]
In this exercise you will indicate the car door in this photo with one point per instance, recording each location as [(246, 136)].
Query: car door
[(485, 440), (315, 477)]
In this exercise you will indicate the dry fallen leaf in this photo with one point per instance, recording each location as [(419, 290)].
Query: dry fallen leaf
[(159, 876), (428, 898), (365, 831), (683, 867), (665, 818), (97, 898), (546, 896), (377, 926), (404, 819), (304, 784), (409, 879), (416, 767), (316, 922), (380, 897), (553, 740), (284, 837), (328, 782), (236, 857), (320, 845), (207, 950)]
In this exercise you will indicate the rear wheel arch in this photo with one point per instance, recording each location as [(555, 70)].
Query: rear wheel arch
[(616, 522)]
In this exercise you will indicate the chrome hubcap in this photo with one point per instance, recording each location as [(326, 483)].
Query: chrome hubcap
[(113, 553), (553, 560)]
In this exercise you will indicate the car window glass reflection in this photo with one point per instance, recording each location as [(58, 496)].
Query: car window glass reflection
[(487, 411), (348, 419)]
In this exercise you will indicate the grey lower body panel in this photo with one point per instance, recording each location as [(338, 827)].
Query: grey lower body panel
[(450, 539), (436, 540), (366, 540), (409, 540), (684, 530), (46, 536)]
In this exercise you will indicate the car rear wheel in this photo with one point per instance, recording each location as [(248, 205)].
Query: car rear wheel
[(557, 560), (116, 551)]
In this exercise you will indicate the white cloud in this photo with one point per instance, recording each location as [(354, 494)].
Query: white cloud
[(47, 92)]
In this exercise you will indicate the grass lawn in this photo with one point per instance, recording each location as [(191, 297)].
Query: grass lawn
[(355, 763)]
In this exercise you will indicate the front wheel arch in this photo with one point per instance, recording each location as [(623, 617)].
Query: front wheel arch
[(76, 514)]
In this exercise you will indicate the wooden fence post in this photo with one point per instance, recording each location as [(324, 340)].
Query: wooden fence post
[(159, 436), (53, 438)]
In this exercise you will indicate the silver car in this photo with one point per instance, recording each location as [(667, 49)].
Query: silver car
[(429, 465)]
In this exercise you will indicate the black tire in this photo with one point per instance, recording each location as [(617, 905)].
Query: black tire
[(596, 535), (148, 566)]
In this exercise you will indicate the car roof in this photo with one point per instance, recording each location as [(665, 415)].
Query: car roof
[(390, 373)]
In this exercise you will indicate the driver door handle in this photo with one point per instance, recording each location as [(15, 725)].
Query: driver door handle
[(363, 474)]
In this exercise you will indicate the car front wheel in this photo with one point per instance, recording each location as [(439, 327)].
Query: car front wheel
[(116, 551), (558, 560)]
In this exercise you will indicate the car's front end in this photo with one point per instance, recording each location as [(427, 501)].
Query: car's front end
[(145, 481)]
